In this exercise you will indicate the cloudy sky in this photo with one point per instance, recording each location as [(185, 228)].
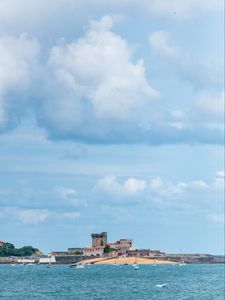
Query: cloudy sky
[(112, 119)]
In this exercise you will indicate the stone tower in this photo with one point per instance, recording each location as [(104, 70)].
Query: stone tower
[(99, 239)]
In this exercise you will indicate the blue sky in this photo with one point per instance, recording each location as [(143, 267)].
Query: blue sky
[(112, 119)]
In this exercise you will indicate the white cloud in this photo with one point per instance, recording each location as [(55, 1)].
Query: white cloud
[(217, 218), (219, 181), (96, 90), (33, 216), (18, 61), (133, 190), (69, 196), (220, 173), (202, 72), (133, 186), (160, 41), (210, 104), (114, 189), (162, 189), (98, 80)]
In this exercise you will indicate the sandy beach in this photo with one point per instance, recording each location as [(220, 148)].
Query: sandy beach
[(127, 260)]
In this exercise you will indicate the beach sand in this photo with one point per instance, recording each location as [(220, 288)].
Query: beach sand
[(127, 260)]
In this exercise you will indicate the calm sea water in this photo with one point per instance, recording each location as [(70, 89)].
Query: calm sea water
[(189, 282)]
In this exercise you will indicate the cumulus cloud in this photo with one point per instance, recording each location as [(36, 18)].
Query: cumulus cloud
[(94, 91), (162, 189), (18, 61), (129, 187), (157, 191), (98, 83), (133, 190), (122, 192)]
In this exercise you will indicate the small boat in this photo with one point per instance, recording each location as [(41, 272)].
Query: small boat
[(161, 285), (72, 265), (79, 266), (135, 266), (12, 265), (182, 264)]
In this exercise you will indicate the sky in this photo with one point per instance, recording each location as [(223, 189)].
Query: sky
[(112, 119)]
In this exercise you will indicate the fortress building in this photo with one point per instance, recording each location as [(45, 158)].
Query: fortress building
[(99, 239)]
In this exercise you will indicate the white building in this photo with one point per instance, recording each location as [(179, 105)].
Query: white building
[(47, 260), (26, 261)]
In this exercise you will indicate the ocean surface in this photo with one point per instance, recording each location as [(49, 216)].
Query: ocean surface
[(202, 282)]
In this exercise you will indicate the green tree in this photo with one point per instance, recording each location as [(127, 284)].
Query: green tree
[(8, 249), (107, 249)]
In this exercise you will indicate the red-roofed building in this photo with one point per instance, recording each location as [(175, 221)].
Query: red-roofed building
[(1, 243), (122, 244), (94, 251)]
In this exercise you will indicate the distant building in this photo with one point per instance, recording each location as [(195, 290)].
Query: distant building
[(1, 243), (77, 251), (47, 260), (94, 251), (138, 252), (58, 253), (26, 261), (124, 242), (99, 239)]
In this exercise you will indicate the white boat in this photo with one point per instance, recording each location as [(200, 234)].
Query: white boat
[(161, 285), (182, 263), (135, 266), (79, 266), (12, 265)]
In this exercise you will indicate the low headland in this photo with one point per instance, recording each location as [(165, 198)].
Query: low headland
[(120, 252)]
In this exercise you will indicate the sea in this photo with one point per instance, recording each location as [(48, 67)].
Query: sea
[(189, 282)]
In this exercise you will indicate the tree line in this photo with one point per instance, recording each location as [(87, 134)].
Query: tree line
[(8, 249)]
